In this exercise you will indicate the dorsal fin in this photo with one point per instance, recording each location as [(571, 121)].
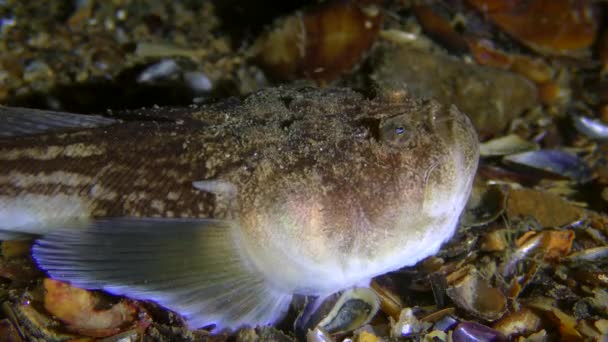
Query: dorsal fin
[(17, 121)]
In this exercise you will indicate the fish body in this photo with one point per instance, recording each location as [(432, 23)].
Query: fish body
[(223, 212)]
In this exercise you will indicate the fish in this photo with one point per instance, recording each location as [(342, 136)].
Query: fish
[(223, 212)]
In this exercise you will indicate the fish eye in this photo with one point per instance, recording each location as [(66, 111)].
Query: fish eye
[(396, 130)]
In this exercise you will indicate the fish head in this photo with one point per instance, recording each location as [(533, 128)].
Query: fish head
[(433, 151), (382, 190), (411, 192)]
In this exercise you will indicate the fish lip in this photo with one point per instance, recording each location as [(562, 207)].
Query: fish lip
[(456, 130), (453, 125), (449, 115)]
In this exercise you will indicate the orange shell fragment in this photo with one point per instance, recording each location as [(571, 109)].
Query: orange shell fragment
[(320, 43), (78, 309), (552, 243), (548, 209), (550, 26)]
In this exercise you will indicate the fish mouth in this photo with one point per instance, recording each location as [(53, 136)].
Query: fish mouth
[(455, 128)]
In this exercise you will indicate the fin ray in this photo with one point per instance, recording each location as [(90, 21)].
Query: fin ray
[(17, 121), (190, 266)]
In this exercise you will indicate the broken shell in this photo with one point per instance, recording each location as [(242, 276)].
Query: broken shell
[(591, 128), (163, 69), (499, 174), (15, 248), (494, 241), (430, 264), (342, 313), (596, 235), (553, 243), (353, 309), (32, 322), (9, 332), (475, 295), (553, 162), (566, 323), (408, 324), (548, 26), (320, 43), (318, 335), (519, 284), (535, 69), (263, 333), (77, 308), (589, 255), (439, 285), (484, 53), (547, 209), (446, 323), (246, 334), (486, 204), (461, 244), (475, 332), (553, 93), (588, 330), (439, 28), (539, 336), (132, 335), (366, 336), (550, 243), (509, 144), (390, 303), (599, 301), (602, 325), (521, 322), (438, 316)]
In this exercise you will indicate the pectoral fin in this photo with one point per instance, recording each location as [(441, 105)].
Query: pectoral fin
[(193, 267)]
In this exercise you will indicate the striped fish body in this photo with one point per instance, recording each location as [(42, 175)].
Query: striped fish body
[(222, 212), (135, 168)]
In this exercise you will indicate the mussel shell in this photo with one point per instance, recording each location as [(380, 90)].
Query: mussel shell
[(508, 144), (475, 332), (592, 255), (591, 128), (486, 204), (339, 313), (471, 292), (553, 162)]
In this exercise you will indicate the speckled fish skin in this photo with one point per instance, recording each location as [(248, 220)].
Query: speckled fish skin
[(325, 189)]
